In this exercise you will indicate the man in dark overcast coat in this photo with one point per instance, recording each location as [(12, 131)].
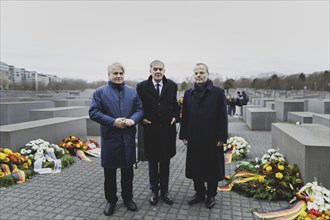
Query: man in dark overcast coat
[(204, 129), (161, 112)]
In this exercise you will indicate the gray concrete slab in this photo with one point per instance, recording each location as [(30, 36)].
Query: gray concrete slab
[(322, 119), (16, 112), (72, 102), (319, 106), (70, 111), (270, 105), (53, 130), (244, 107), (282, 107), (302, 117), (260, 119), (308, 146)]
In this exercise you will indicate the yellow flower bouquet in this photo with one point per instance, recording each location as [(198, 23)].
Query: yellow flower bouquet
[(271, 178)]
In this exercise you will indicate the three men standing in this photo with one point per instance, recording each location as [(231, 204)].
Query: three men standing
[(161, 112), (204, 129)]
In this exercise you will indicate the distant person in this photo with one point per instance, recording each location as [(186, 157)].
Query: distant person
[(204, 130), (245, 98), (231, 106), (240, 102), (161, 112), (117, 108)]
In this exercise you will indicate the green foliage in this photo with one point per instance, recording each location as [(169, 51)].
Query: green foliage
[(228, 84)]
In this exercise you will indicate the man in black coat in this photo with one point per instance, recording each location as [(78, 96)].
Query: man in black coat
[(204, 129), (161, 112)]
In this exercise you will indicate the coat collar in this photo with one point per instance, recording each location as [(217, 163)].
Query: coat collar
[(208, 87), (152, 89)]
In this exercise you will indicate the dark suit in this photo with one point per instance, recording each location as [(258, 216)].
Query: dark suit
[(160, 135)]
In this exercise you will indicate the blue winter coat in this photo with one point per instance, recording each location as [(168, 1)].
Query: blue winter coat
[(204, 122), (118, 145)]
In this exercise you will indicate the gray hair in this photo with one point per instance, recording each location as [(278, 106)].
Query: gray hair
[(116, 64), (156, 62), (203, 64)]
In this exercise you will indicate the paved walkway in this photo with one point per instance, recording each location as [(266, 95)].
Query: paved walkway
[(77, 192)]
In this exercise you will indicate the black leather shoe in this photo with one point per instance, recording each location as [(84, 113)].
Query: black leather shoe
[(131, 205), (210, 202), (167, 198), (196, 198), (109, 208), (153, 200)]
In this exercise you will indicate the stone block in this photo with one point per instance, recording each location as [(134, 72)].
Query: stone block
[(308, 146), (302, 117), (263, 101), (282, 107), (322, 119), (72, 102), (93, 128), (260, 118), (52, 130), (16, 112), (70, 111), (244, 107), (319, 106), (270, 105)]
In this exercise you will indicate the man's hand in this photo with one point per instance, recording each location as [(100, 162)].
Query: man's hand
[(146, 121), (129, 122), (173, 121), (120, 123), (220, 144), (185, 142)]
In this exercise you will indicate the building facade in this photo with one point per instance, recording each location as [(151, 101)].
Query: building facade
[(19, 78)]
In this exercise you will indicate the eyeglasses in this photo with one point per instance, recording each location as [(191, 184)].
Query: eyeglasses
[(155, 69)]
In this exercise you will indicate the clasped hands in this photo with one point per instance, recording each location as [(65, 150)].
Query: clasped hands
[(123, 122)]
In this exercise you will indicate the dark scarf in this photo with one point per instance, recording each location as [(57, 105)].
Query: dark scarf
[(119, 87), (200, 90)]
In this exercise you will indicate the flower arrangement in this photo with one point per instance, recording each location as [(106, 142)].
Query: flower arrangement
[(41, 149), (318, 201), (313, 203), (75, 146), (270, 178), (272, 155), (237, 147), (14, 167), (37, 149), (93, 148), (71, 144)]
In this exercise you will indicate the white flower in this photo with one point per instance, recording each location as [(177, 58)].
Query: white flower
[(312, 205), (257, 166), (257, 160), (23, 151)]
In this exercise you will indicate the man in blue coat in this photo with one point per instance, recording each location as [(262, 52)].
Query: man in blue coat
[(117, 108), (204, 129)]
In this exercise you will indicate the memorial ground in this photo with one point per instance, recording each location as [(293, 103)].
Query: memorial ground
[(77, 192)]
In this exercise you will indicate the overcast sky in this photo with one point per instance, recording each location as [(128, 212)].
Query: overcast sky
[(79, 39)]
